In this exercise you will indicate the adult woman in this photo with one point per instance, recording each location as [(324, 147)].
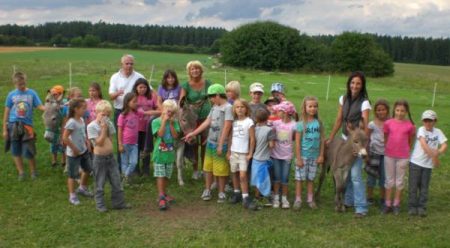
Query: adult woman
[(195, 90), (354, 108)]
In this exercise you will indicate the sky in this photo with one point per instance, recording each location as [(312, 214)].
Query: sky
[(425, 18)]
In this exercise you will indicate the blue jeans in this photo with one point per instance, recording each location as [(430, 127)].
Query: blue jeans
[(281, 169), (372, 181), (129, 158), (355, 191)]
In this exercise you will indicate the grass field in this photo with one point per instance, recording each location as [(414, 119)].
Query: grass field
[(37, 213)]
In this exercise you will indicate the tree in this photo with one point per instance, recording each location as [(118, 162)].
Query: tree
[(91, 41), (77, 41)]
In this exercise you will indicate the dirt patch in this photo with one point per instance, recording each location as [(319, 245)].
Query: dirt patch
[(25, 49)]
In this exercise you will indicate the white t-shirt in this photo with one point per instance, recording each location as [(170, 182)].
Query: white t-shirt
[(433, 139), (364, 106), (77, 136), (241, 135), (376, 139), (119, 81)]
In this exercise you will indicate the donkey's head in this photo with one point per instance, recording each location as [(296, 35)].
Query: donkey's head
[(187, 117), (52, 116), (358, 139)]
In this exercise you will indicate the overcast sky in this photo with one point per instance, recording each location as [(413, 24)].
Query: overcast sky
[(393, 17)]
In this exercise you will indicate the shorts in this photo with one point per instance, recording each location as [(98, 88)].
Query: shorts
[(74, 164), (238, 162), (56, 148), (163, 170), (216, 164), (22, 148), (308, 171)]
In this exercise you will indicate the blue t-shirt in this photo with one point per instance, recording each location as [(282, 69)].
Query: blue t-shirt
[(21, 104), (310, 138)]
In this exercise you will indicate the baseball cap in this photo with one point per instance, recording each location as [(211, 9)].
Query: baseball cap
[(216, 89), (272, 99), (256, 87), (429, 114), (57, 89)]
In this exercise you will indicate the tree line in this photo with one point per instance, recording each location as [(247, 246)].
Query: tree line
[(194, 39)]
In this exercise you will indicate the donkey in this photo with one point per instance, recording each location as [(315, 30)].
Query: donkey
[(188, 122), (52, 117), (339, 157)]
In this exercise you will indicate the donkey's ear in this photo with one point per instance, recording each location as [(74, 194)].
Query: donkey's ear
[(361, 124), (350, 128), (182, 102)]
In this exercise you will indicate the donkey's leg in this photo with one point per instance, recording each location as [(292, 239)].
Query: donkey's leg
[(180, 162), (323, 172)]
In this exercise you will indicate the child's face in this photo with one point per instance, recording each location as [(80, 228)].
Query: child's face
[(103, 114), (93, 93), (169, 113), (141, 89), (81, 110), (133, 103), (400, 112), (170, 80), (214, 99), (311, 108), (240, 109), (381, 112), (231, 94), (20, 85), (256, 96), (56, 95), (428, 124), (278, 95), (281, 114), (76, 94)]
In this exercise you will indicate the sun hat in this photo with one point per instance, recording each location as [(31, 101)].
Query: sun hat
[(277, 87), (286, 107), (216, 89), (429, 114), (57, 89), (256, 87)]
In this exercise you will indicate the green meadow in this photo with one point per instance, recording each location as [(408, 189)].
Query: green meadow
[(38, 214)]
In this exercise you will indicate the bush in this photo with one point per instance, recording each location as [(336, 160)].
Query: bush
[(91, 41), (264, 45)]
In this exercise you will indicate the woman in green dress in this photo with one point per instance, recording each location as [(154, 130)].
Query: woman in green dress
[(195, 91)]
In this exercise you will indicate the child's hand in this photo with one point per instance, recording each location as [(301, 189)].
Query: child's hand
[(248, 157), (219, 150), (299, 163), (5, 134), (436, 162), (76, 152), (228, 156), (121, 148), (319, 160), (188, 138)]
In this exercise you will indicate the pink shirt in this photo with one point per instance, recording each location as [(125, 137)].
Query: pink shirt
[(399, 133), (129, 126), (145, 104), (91, 109), (284, 139)]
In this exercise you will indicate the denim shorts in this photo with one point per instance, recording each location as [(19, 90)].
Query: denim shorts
[(281, 170), (20, 148), (74, 164)]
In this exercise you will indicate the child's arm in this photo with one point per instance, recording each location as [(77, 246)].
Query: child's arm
[(298, 150), (41, 107), (230, 142), (411, 138), (205, 124), (100, 140), (69, 143), (225, 132), (320, 159), (5, 123), (252, 143), (119, 138)]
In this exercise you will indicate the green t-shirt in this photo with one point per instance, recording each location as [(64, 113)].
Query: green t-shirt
[(198, 99), (164, 150)]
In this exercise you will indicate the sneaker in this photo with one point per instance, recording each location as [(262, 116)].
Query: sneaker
[(196, 175), (213, 186), (265, 202), (412, 212), (276, 202), (162, 204), (170, 199), (21, 177), (387, 209), (221, 197), (297, 205), (285, 203), (396, 210), (206, 195), (74, 201), (236, 197), (360, 215), (250, 204), (84, 192), (102, 209), (312, 205), (422, 212)]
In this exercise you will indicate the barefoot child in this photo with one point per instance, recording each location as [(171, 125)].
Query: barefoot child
[(77, 150), (431, 142), (309, 150), (166, 130), (100, 132)]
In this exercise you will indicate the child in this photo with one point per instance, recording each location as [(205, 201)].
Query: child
[(309, 150), (265, 141), (77, 151), (256, 92), (233, 91), (398, 137), (277, 90), (270, 102), (147, 100), (241, 151), (166, 129), (282, 152), (18, 130), (95, 96), (169, 88), (376, 151), (100, 132), (430, 143), (219, 122), (56, 145)]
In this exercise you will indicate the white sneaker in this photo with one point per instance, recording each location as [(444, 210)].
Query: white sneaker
[(213, 186), (276, 201), (222, 198), (196, 175), (285, 203), (74, 201), (206, 195)]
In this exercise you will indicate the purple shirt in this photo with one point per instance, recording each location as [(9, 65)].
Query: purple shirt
[(173, 94)]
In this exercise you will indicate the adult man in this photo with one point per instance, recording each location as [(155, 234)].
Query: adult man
[(121, 83)]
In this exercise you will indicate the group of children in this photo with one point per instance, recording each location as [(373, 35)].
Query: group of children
[(249, 143)]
